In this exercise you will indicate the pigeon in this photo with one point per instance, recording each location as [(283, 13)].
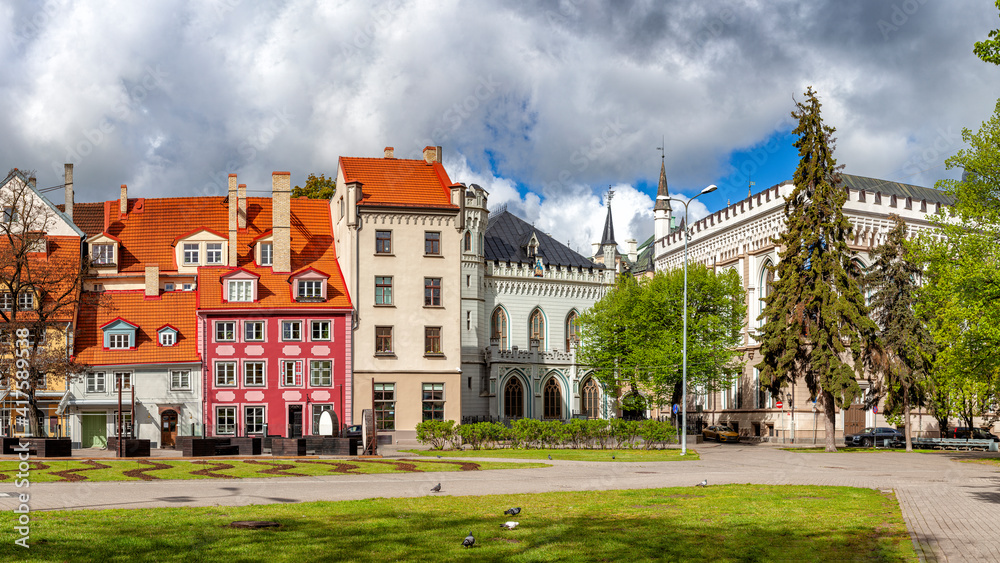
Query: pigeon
[(439, 457), (469, 540), (436, 488), (513, 511), (612, 457), (509, 525), (704, 483), (550, 456)]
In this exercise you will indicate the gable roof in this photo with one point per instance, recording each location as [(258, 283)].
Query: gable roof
[(886, 187), (506, 235), (399, 182)]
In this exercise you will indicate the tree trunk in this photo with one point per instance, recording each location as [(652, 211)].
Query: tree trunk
[(906, 417), (829, 421)]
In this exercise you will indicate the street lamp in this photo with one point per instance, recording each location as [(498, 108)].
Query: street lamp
[(684, 339)]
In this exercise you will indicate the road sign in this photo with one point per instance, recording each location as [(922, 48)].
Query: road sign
[(778, 404), (677, 408), (875, 409)]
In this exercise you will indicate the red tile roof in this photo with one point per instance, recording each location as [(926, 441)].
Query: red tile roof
[(175, 307), (55, 275), (398, 182)]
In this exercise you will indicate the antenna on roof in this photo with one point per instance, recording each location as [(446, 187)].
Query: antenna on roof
[(611, 194), (660, 148)]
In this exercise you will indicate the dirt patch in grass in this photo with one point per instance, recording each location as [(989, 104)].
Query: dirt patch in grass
[(141, 472), (464, 465), (211, 471), (73, 475), (280, 469), (336, 466)]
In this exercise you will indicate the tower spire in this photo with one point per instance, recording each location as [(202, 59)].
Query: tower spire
[(661, 189), (609, 228)]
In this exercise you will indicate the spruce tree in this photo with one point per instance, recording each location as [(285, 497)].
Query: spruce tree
[(816, 324), (907, 346)]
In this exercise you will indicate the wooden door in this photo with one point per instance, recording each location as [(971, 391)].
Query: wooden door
[(93, 430), (854, 419), (294, 421), (168, 429)]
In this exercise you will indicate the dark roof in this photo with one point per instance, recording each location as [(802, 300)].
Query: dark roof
[(609, 229), (886, 187), (507, 234), (644, 257), (88, 216)]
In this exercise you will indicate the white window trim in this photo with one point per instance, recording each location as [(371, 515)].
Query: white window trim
[(216, 327), (283, 339), (215, 373), (329, 330), (263, 331), (263, 373), (180, 387)]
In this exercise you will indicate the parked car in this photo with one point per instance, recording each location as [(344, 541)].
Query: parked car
[(964, 432), (872, 436), (720, 433), (353, 431)]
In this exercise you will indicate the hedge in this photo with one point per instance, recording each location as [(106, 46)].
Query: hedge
[(530, 433)]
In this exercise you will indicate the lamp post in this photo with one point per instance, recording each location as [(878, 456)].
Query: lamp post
[(684, 338)]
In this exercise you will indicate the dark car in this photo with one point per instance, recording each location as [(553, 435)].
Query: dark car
[(966, 433), (353, 431), (875, 436)]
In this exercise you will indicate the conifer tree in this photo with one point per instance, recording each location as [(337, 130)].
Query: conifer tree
[(906, 343), (816, 324)]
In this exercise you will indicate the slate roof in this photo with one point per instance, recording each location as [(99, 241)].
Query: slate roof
[(886, 187), (88, 216), (644, 257), (609, 230), (399, 182), (506, 235)]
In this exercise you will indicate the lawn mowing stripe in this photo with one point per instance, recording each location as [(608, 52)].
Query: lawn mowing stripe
[(210, 472), (141, 472), (72, 475)]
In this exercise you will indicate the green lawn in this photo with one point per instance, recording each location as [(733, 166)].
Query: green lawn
[(720, 523), (566, 454), (133, 470)]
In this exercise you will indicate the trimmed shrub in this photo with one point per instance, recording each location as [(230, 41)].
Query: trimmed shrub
[(657, 432), (625, 433), (600, 432), (437, 433)]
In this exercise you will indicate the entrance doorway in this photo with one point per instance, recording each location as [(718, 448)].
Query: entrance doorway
[(94, 430), (294, 421), (168, 429), (854, 419)]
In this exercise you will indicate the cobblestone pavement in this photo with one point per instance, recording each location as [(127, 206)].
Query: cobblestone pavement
[(950, 507)]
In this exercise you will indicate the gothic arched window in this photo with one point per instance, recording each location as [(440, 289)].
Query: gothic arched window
[(498, 328), (536, 328), (591, 399), (572, 330), (468, 241), (513, 398), (552, 399)]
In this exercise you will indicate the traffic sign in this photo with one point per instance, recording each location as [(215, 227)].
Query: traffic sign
[(778, 404), (677, 408), (875, 409)]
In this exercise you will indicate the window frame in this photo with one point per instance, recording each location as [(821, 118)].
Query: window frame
[(287, 325), (97, 254), (247, 337), (296, 373), (383, 291), (175, 384), (267, 254), (385, 337), (233, 291), (230, 375), (189, 250), (119, 377), (259, 422), (317, 412), (213, 250), (432, 292), (432, 341), (115, 342), (383, 242), (309, 289), (385, 403), (313, 324), (314, 367), (432, 401), (96, 382), (432, 243), (231, 332), (231, 416), (261, 374), (167, 335), (26, 300)]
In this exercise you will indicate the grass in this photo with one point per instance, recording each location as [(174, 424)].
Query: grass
[(721, 523), (131, 470), (567, 454)]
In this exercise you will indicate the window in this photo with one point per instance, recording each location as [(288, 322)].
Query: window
[(240, 290), (468, 241), (383, 242), (123, 380), (253, 331), (225, 420), (168, 286), (225, 331), (321, 373), (126, 429), (383, 290), (433, 401), (167, 338), (119, 341), (253, 374), (190, 253), (291, 373), (180, 380), (291, 330), (572, 330), (320, 330), (310, 289), (254, 420), (26, 301), (225, 374), (432, 340), (591, 399), (432, 243), (6, 301), (765, 288), (189, 287), (95, 382), (552, 400), (383, 340), (9, 215), (213, 253), (317, 411), (385, 406), (432, 292), (103, 254), (513, 398), (498, 328), (266, 253), (536, 328)]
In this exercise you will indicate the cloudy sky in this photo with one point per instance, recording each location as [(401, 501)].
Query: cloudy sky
[(545, 106)]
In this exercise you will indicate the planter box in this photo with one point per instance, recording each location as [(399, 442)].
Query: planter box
[(134, 447), (248, 446), (200, 447), (40, 447), (288, 446)]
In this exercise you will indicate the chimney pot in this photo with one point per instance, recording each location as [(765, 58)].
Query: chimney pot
[(123, 200), (389, 152), (68, 181), (430, 154), (152, 281), (281, 221), (232, 220)]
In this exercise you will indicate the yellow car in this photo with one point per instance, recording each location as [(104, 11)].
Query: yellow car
[(720, 434)]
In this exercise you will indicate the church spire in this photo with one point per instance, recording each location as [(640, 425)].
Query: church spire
[(662, 190), (609, 228)]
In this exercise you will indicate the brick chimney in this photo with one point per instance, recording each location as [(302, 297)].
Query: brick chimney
[(152, 281), (68, 181), (389, 152), (32, 182), (281, 221), (432, 154), (123, 201), (241, 211), (233, 206)]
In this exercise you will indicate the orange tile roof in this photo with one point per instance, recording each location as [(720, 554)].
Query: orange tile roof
[(56, 277), (399, 182), (176, 308)]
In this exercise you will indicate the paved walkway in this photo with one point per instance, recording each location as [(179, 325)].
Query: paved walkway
[(950, 508)]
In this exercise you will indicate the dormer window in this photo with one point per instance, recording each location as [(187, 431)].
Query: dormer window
[(309, 285), (213, 253), (167, 335), (241, 290), (119, 341), (201, 247), (119, 334), (240, 286), (103, 254), (191, 256), (266, 253), (309, 289)]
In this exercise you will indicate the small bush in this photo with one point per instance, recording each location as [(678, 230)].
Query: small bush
[(656, 432), (437, 433), (625, 433)]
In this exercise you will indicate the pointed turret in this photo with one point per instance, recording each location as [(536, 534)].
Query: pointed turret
[(609, 229), (661, 211)]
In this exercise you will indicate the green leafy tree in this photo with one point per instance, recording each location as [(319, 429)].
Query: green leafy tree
[(816, 324), (316, 188), (989, 50), (960, 300), (907, 347), (632, 337)]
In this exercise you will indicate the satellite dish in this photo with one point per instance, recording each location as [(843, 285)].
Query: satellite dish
[(326, 424)]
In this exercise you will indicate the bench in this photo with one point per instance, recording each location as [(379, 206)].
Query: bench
[(955, 444)]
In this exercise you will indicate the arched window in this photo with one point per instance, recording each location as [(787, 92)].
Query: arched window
[(591, 399), (513, 398), (572, 330), (536, 328), (498, 328), (860, 271), (552, 400), (468, 241), (766, 287)]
